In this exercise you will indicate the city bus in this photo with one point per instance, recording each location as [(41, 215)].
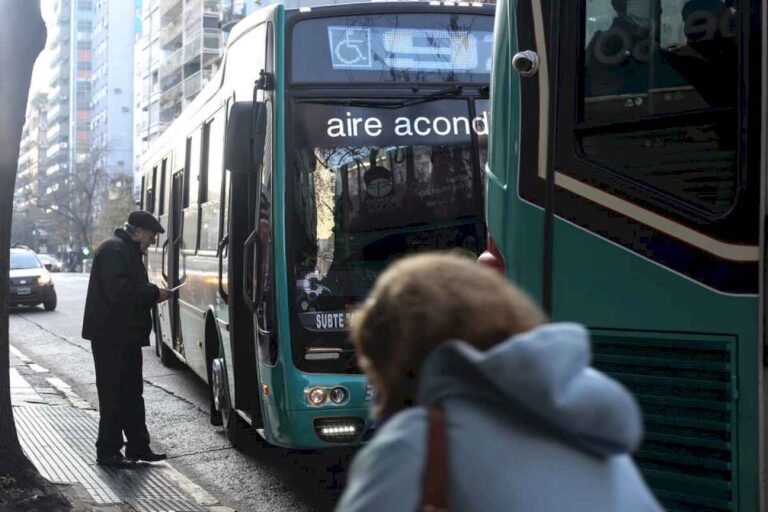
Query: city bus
[(331, 141), (626, 191)]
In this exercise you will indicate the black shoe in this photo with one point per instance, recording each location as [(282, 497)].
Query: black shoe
[(147, 456), (112, 459)]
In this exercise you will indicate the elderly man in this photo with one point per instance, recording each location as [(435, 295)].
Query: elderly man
[(117, 321)]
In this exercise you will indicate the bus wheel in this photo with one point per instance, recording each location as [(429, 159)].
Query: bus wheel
[(230, 420)]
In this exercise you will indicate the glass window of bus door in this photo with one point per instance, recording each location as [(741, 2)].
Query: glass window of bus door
[(647, 80), (221, 250), (151, 190), (191, 192), (142, 200), (213, 144), (162, 187), (361, 200)]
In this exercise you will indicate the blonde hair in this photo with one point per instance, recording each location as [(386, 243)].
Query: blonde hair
[(422, 301)]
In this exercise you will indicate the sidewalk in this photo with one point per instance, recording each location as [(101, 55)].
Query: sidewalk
[(57, 430)]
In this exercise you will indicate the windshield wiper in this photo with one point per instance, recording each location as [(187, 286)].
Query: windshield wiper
[(448, 92)]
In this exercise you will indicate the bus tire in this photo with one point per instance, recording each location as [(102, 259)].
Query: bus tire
[(233, 424), (212, 351)]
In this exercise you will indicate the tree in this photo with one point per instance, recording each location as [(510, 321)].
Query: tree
[(119, 204), (78, 203), (22, 38)]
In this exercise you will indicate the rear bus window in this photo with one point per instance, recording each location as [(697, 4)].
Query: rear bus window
[(659, 93)]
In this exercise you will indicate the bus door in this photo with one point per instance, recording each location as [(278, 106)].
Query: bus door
[(241, 247), (175, 271), (644, 168)]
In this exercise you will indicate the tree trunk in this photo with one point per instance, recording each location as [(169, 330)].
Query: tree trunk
[(22, 38)]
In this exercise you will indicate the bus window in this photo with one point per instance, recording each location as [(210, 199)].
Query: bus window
[(191, 188), (161, 207), (214, 153), (150, 202), (185, 186), (653, 59), (213, 140), (143, 194)]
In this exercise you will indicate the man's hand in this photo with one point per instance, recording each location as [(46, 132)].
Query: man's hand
[(165, 294)]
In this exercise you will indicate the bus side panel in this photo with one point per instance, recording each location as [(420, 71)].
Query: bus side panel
[(687, 353), (194, 300), (515, 226)]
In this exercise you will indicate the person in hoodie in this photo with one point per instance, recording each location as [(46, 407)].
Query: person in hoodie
[(530, 425)]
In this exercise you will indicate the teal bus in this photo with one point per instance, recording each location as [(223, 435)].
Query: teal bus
[(332, 140), (626, 191)]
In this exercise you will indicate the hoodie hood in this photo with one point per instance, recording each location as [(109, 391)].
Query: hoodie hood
[(545, 373)]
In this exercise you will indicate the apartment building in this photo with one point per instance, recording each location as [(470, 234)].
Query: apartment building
[(177, 53)]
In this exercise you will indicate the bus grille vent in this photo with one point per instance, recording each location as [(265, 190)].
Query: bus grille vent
[(686, 386)]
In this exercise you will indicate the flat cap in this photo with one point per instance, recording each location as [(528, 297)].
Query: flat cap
[(143, 219)]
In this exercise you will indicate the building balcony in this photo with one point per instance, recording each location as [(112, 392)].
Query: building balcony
[(171, 96), (212, 7), (212, 39), (171, 65), (170, 37), (56, 152), (192, 18), (169, 8), (194, 83), (54, 132)]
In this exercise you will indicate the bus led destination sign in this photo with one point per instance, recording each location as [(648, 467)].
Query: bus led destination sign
[(375, 48)]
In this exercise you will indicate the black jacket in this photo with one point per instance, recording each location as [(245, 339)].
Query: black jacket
[(120, 296)]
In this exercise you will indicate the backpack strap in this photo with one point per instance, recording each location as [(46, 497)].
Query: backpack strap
[(434, 496)]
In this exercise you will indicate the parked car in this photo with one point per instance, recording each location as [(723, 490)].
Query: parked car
[(31, 282), (51, 263)]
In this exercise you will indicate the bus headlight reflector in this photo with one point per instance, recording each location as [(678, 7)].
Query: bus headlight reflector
[(316, 396), (338, 395)]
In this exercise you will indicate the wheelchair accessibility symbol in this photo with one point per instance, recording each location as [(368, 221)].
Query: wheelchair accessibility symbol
[(350, 47)]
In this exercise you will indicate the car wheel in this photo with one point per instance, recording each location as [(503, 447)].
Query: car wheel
[(50, 304)]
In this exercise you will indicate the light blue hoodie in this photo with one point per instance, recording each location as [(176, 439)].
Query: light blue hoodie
[(531, 428)]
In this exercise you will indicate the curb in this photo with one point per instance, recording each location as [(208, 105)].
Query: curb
[(194, 491)]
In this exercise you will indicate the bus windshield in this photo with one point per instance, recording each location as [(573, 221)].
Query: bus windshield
[(372, 184)]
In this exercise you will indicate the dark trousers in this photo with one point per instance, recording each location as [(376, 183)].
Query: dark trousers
[(120, 384)]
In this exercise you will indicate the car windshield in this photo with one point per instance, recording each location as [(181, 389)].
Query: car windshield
[(20, 260)]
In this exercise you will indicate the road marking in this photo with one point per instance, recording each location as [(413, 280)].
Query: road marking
[(37, 368), (197, 493), (66, 389), (17, 353)]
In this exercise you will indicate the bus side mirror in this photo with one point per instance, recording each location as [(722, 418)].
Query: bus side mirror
[(246, 136)]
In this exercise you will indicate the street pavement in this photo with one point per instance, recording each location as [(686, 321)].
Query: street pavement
[(256, 478)]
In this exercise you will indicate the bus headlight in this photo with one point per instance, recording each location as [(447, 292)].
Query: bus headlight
[(44, 279), (316, 396), (338, 395)]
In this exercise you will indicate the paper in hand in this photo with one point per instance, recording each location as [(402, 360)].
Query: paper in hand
[(176, 287)]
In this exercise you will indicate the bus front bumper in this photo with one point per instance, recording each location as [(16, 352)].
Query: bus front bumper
[(316, 429)]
